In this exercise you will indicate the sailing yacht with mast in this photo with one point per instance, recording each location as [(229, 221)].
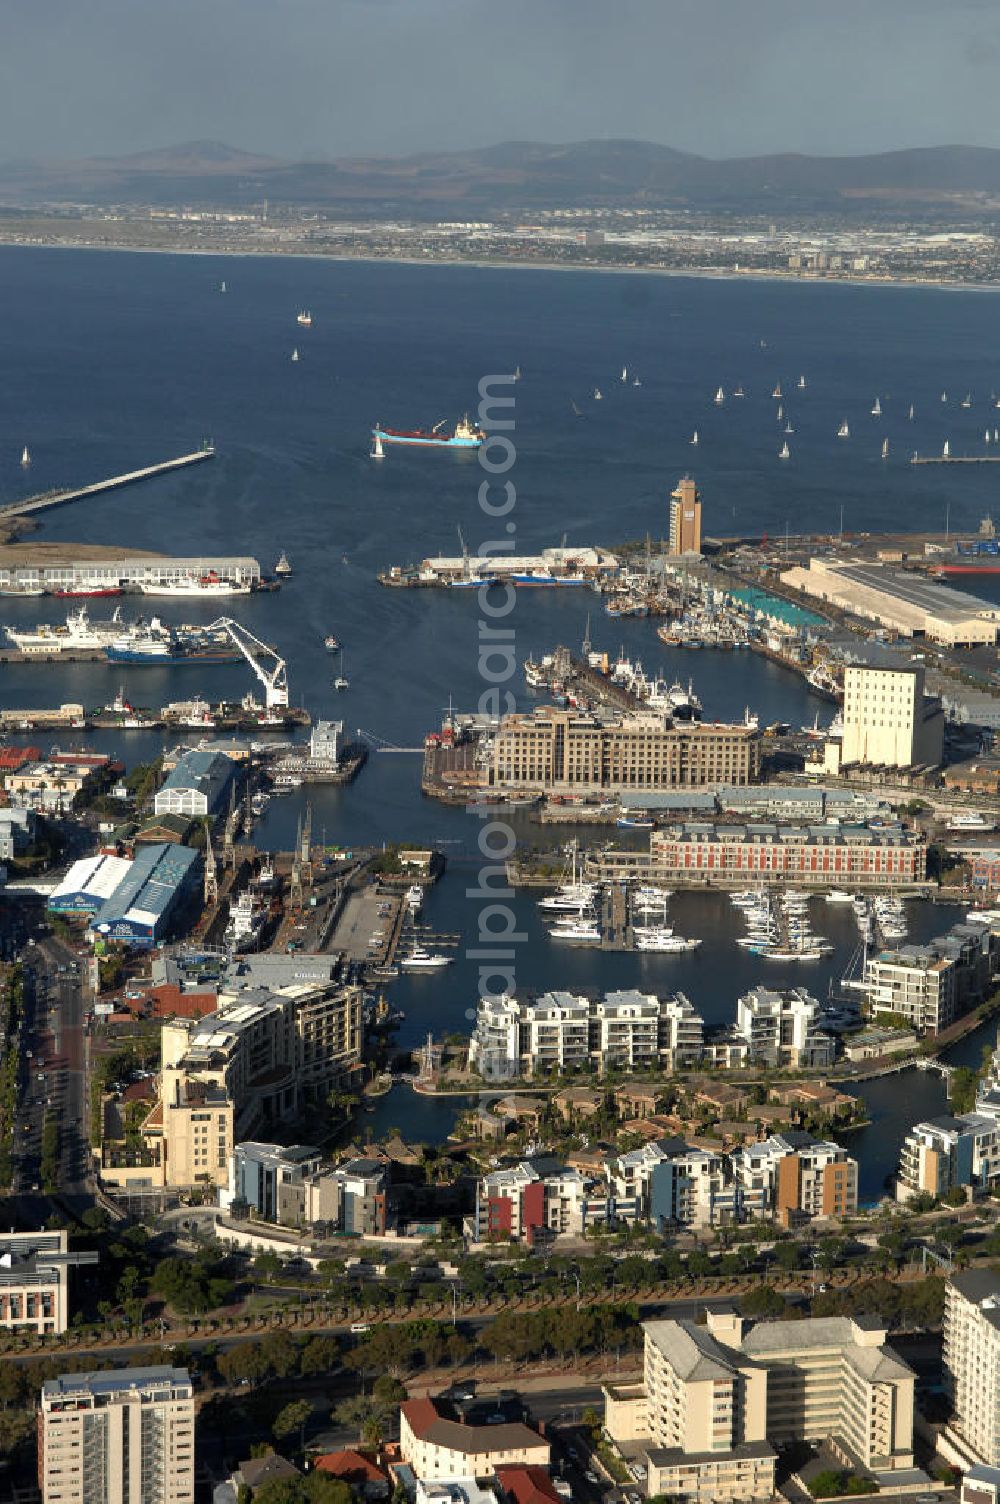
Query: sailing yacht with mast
[(876, 409), (784, 453), (377, 452), (885, 449), (341, 682), (694, 438), (720, 397), (25, 457), (843, 432)]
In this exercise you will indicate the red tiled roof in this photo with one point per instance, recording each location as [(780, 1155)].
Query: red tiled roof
[(170, 1002), (527, 1485), (354, 1467), (420, 1416)]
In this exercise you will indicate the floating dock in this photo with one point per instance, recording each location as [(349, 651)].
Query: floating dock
[(47, 499)]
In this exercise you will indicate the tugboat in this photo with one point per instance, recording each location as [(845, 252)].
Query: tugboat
[(283, 568), (331, 643)]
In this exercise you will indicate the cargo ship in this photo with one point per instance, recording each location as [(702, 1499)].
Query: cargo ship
[(464, 436)]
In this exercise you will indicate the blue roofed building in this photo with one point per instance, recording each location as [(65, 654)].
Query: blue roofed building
[(200, 784), (145, 903)]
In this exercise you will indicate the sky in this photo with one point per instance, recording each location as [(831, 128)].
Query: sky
[(327, 78)]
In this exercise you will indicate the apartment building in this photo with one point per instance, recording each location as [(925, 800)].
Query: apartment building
[(948, 1152), (794, 1178), (294, 1188), (835, 854), (701, 1411), (784, 1029), (888, 719), (571, 751), (254, 1061), (125, 1436), (714, 1398), (539, 1198), (929, 986), (669, 1184), (563, 1032), (972, 1363), (436, 1444)]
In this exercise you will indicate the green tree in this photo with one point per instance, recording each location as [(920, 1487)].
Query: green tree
[(293, 1417)]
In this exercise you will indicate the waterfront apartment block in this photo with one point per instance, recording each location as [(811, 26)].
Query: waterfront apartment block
[(972, 1363), (560, 1032), (293, 1187), (685, 518), (552, 750), (907, 603), (539, 1198), (669, 1185), (888, 719), (795, 1178), (930, 986), (814, 856), (946, 1153), (714, 1398), (784, 1029), (125, 1436)]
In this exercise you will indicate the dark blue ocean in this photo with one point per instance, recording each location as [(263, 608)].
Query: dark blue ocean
[(111, 361)]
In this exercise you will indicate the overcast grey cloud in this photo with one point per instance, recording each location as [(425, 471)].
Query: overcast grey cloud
[(336, 77)]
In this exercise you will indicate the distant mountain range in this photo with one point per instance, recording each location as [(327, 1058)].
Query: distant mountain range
[(519, 175)]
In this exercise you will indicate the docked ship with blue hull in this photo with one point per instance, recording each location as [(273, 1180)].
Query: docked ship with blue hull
[(464, 436)]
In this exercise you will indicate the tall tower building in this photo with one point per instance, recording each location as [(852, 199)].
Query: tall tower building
[(120, 1437), (685, 518)]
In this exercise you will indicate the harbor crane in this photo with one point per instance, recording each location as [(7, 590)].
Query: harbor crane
[(268, 665)]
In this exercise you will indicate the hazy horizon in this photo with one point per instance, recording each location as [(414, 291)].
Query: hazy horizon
[(317, 79)]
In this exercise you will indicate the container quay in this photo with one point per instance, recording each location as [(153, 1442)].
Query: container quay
[(121, 716), (60, 498)]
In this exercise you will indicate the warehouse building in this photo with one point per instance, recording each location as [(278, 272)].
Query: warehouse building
[(199, 785), (89, 884), (147, 899), (905, 602)]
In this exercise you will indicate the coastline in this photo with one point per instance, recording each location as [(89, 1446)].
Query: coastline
[(700, 274)]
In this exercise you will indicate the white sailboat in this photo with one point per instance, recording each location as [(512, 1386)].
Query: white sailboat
[(517, 374), (802, 383), (720, 397), (777, 390), (598, 394), (789, 428), (843, 432), (341, 682), (694, 437), (624, 375), (781, 412), (636, 381), (911, 412), (967, 400), (946, 451), (295, 354), (996, 435), (25, 457), (876, 409), (377, 452), (986, 436), (885, 449), (944, 396), (739, 392), (222, 287), (784, 453)]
